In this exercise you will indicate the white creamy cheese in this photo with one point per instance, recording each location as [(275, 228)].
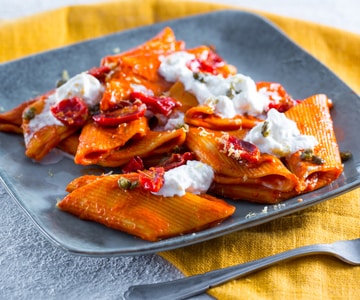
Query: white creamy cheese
[(194, 177), (280, 137), (84, 86), (175, 121), (247, 99), (42, 119), (236, 94)]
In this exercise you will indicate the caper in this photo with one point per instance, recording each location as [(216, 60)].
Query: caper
[(232, 92), (29, 113), (265, 130), (199, 77), (60, 82), (345, 155), (317, 160), (308, 155), (127, 184)]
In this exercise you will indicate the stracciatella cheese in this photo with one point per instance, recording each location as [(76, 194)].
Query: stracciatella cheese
[(84, 86), (279, 135), (193, 177), (231, 96)]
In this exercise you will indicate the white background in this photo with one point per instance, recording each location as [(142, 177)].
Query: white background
[(343, 14)]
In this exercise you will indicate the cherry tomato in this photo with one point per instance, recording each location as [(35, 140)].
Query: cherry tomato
[(176, 160), (133, 165), (100, 73), (208, 65), (121, 115), (71, 112), (241, 150), (153, 179), (279, 98), (162, 105)]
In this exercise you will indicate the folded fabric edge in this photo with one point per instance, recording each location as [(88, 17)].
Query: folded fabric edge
[(70, 24), (338, 54)]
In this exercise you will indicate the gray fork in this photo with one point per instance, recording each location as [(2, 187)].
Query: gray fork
[(347, 251)]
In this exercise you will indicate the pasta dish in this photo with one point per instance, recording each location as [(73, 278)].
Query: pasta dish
[(183, 132)]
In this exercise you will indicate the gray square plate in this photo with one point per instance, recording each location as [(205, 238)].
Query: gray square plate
[(252, 44)]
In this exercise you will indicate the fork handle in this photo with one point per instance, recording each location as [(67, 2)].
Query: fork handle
[(193, 285)]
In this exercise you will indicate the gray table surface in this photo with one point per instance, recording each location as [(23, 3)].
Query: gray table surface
[(33, 268)]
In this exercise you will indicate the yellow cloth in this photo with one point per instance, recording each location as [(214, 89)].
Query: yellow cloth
[(318, 277)]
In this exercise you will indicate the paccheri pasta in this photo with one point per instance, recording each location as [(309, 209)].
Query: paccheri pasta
[(183, 132)]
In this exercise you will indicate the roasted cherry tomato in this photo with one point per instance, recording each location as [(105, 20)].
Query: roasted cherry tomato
[(176, 160), (121, 115), (134, 165), (162, 105), (279, 98), (100, 73), (153, 179), (71, 112), (240, 150), (208, 65)]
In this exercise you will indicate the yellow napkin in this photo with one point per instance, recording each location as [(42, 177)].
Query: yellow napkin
[(317, 277)]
